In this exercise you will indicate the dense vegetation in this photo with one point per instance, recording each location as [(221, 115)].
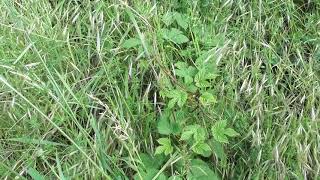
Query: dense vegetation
[(177, 89)]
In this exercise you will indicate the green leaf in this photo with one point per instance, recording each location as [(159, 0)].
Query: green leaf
[(164, 126), (183, 96), (149, 174), (218, 150), (159, 150), (231, 132), (151, 161), (192, 88), (165, 147), (202, 148), (182, 20), (174, 35), (189, 131), (35, 174), (200, 170), (175, 128), (218, 131), (171, 103), (130, 43), (201, 79), (200, 134), (167, 125), (181, 65), (186, 72), (207, 98), (178, 96), (205, 61), (175, 178), (168, 18), (186, 135)]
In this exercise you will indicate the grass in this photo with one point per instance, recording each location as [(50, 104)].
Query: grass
[(83, 88)]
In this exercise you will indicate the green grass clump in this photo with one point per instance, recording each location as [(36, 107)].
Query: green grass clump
[(194, 89)]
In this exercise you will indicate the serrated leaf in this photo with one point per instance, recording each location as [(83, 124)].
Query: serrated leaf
[(164, 126), (178, 96), (218, 150), (189, 131), (171, 103), (165, 147), (192, 88), (231, 132), (174, 35), (168, 18), (186, 135), (186, 72), (205, 61), (159, 150), (201, 79), (202, 148), (207, 98), (200, 134), (164, 141), (220, 132), (200, 170), (182, 20), (183, 96), (130, 43), (181, 65)]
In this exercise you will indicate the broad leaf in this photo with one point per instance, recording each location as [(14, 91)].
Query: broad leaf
[(164, 126), (202, 148), (202, 77), (231, 132), (220, 132), (182, 20), (165, 147), (130, 43), (174, 35), (200, 134), (186, 72), (207, 98), (168, 18), (200, 170), (189, 131), (177, 97)]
